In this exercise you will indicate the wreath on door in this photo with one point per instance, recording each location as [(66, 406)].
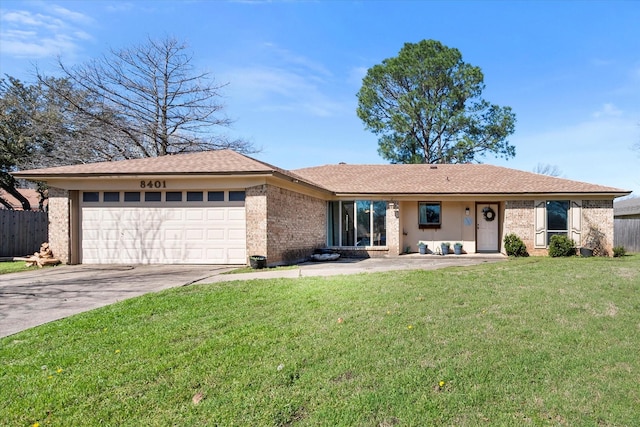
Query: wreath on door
[(488, 214)]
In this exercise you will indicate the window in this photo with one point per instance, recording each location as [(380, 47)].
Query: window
[(236, 196), (194, 196), (152, 196), (111, 196), (379, 224), (429, 215), (557, 218), (174, 196), (357, 223), (215, 196), (131, 196), (90, 196)]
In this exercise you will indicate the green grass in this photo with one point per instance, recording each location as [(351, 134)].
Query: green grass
[(247, 269), (14, 266), (533, 341)]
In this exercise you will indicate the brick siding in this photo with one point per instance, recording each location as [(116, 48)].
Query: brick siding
[(393, 228), (256, 217), (368, 252), (59, 236), (286, 226), (598, 214), (519, 219), (283, 225)]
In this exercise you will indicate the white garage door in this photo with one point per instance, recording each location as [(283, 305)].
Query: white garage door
[(163, 235)]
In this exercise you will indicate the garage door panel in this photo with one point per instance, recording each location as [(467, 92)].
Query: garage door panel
[(215, 215), (153, 237), (195, 253), (91, 235), (91, 252), (237, 214), (215, 234), (215, 253), (194, 214), (237, 235), (236, 256), (152, 222), (153, 215), (194, 235), (122, 214), (173, 234), (181, 235), (172, 214), (111, 236), (173, 254)]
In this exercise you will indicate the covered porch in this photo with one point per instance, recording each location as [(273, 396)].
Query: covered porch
[(475, 224)]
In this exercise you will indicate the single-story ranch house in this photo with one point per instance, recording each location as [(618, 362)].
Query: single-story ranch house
[(220, 207)]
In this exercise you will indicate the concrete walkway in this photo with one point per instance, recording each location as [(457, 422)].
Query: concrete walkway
[(368, 265), (35, 297)]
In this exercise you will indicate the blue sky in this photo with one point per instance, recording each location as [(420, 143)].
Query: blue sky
[(569, 69)]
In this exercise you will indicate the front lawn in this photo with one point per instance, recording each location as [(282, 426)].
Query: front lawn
[(534, 341), (14, 266)]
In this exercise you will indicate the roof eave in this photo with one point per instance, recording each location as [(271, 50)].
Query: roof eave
[(613, 194), (301, 181), (235, 174), (42, 177)]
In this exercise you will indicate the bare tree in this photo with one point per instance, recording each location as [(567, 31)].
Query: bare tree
[(148, 101), (547, 169)]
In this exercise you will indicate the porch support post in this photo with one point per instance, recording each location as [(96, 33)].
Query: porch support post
[(393, 228)]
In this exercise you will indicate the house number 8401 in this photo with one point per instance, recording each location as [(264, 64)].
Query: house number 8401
[(153, 184)]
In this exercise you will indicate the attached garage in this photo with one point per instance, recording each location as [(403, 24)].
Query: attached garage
[(212, 207), (162, 227)]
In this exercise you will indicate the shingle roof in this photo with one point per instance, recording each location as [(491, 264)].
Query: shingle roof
[(627, 207), (441, 179), (340, 178), (206, 162), (30, 194)]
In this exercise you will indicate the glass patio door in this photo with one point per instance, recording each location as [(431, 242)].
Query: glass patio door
[(348, 229)]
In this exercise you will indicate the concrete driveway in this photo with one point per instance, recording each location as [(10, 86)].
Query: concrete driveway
[(35, 297)]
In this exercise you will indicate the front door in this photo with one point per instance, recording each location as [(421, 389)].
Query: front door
[(487, 228)]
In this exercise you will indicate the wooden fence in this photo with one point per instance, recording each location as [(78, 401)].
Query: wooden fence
[(626, 232), (22, 232)]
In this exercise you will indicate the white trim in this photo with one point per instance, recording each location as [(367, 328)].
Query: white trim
[(540, 223), (575, 217)]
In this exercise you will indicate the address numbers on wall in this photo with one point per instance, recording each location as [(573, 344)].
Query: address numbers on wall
[(153, 184)]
